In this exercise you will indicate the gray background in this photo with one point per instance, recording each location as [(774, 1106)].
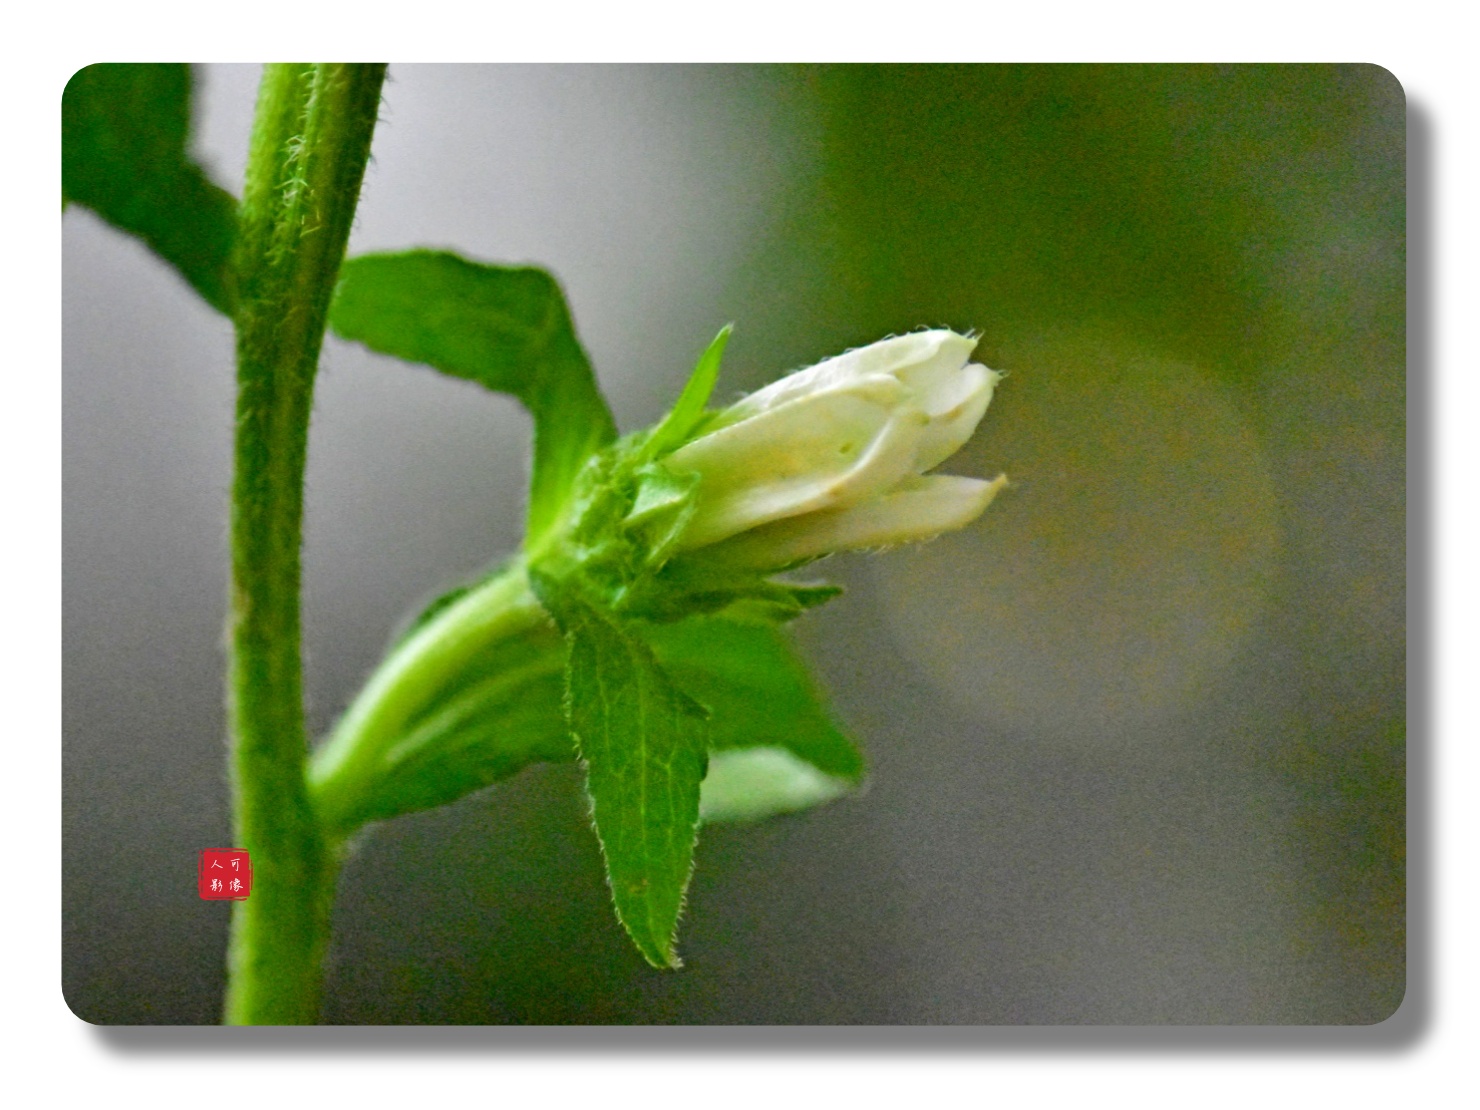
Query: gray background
[(1136, 738)]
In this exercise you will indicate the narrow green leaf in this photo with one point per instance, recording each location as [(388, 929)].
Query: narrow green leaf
[(505, 328), (644, 744), (775, 748), (674, 429), (125, 155)]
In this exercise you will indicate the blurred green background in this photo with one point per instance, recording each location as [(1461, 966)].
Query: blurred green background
[(1137, 737)]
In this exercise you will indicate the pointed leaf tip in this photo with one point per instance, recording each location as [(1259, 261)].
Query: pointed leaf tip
[(645, 747), (689, 408)]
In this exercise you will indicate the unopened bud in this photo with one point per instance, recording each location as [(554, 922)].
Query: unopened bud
[(833, 457)]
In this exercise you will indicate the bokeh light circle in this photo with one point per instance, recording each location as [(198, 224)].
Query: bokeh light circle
[(1123, 571)]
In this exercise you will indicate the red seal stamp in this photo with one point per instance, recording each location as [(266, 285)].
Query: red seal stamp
[(225, 873)]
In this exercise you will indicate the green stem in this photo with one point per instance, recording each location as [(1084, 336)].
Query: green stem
[(472, 635), (310, 143)]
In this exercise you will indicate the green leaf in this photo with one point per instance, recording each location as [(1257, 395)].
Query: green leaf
[(645, 747), (506, 328), (674, 429), (774, 746), (125, 155)]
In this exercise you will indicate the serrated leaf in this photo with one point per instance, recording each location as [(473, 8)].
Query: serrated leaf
[(506, 328), (775, 747), (645, 747), (674, 428), (125, 155)]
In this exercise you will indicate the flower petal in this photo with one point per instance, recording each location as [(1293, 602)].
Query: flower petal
[(811, 431), (956, 409), (822, 451), (931, 366), (919, 509), (922, 360)]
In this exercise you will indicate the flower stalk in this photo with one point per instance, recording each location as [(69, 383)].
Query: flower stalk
[(422, 670)]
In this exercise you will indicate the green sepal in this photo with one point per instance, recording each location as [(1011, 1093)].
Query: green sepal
[(622, 525), (506, 328), (644, 744), (664, 506), (687, 413), (126, 155), (598, 548)]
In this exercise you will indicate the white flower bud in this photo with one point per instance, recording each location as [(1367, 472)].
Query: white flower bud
[(831, 458)]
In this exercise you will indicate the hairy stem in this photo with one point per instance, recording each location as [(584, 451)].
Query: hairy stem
[(310, 143)]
